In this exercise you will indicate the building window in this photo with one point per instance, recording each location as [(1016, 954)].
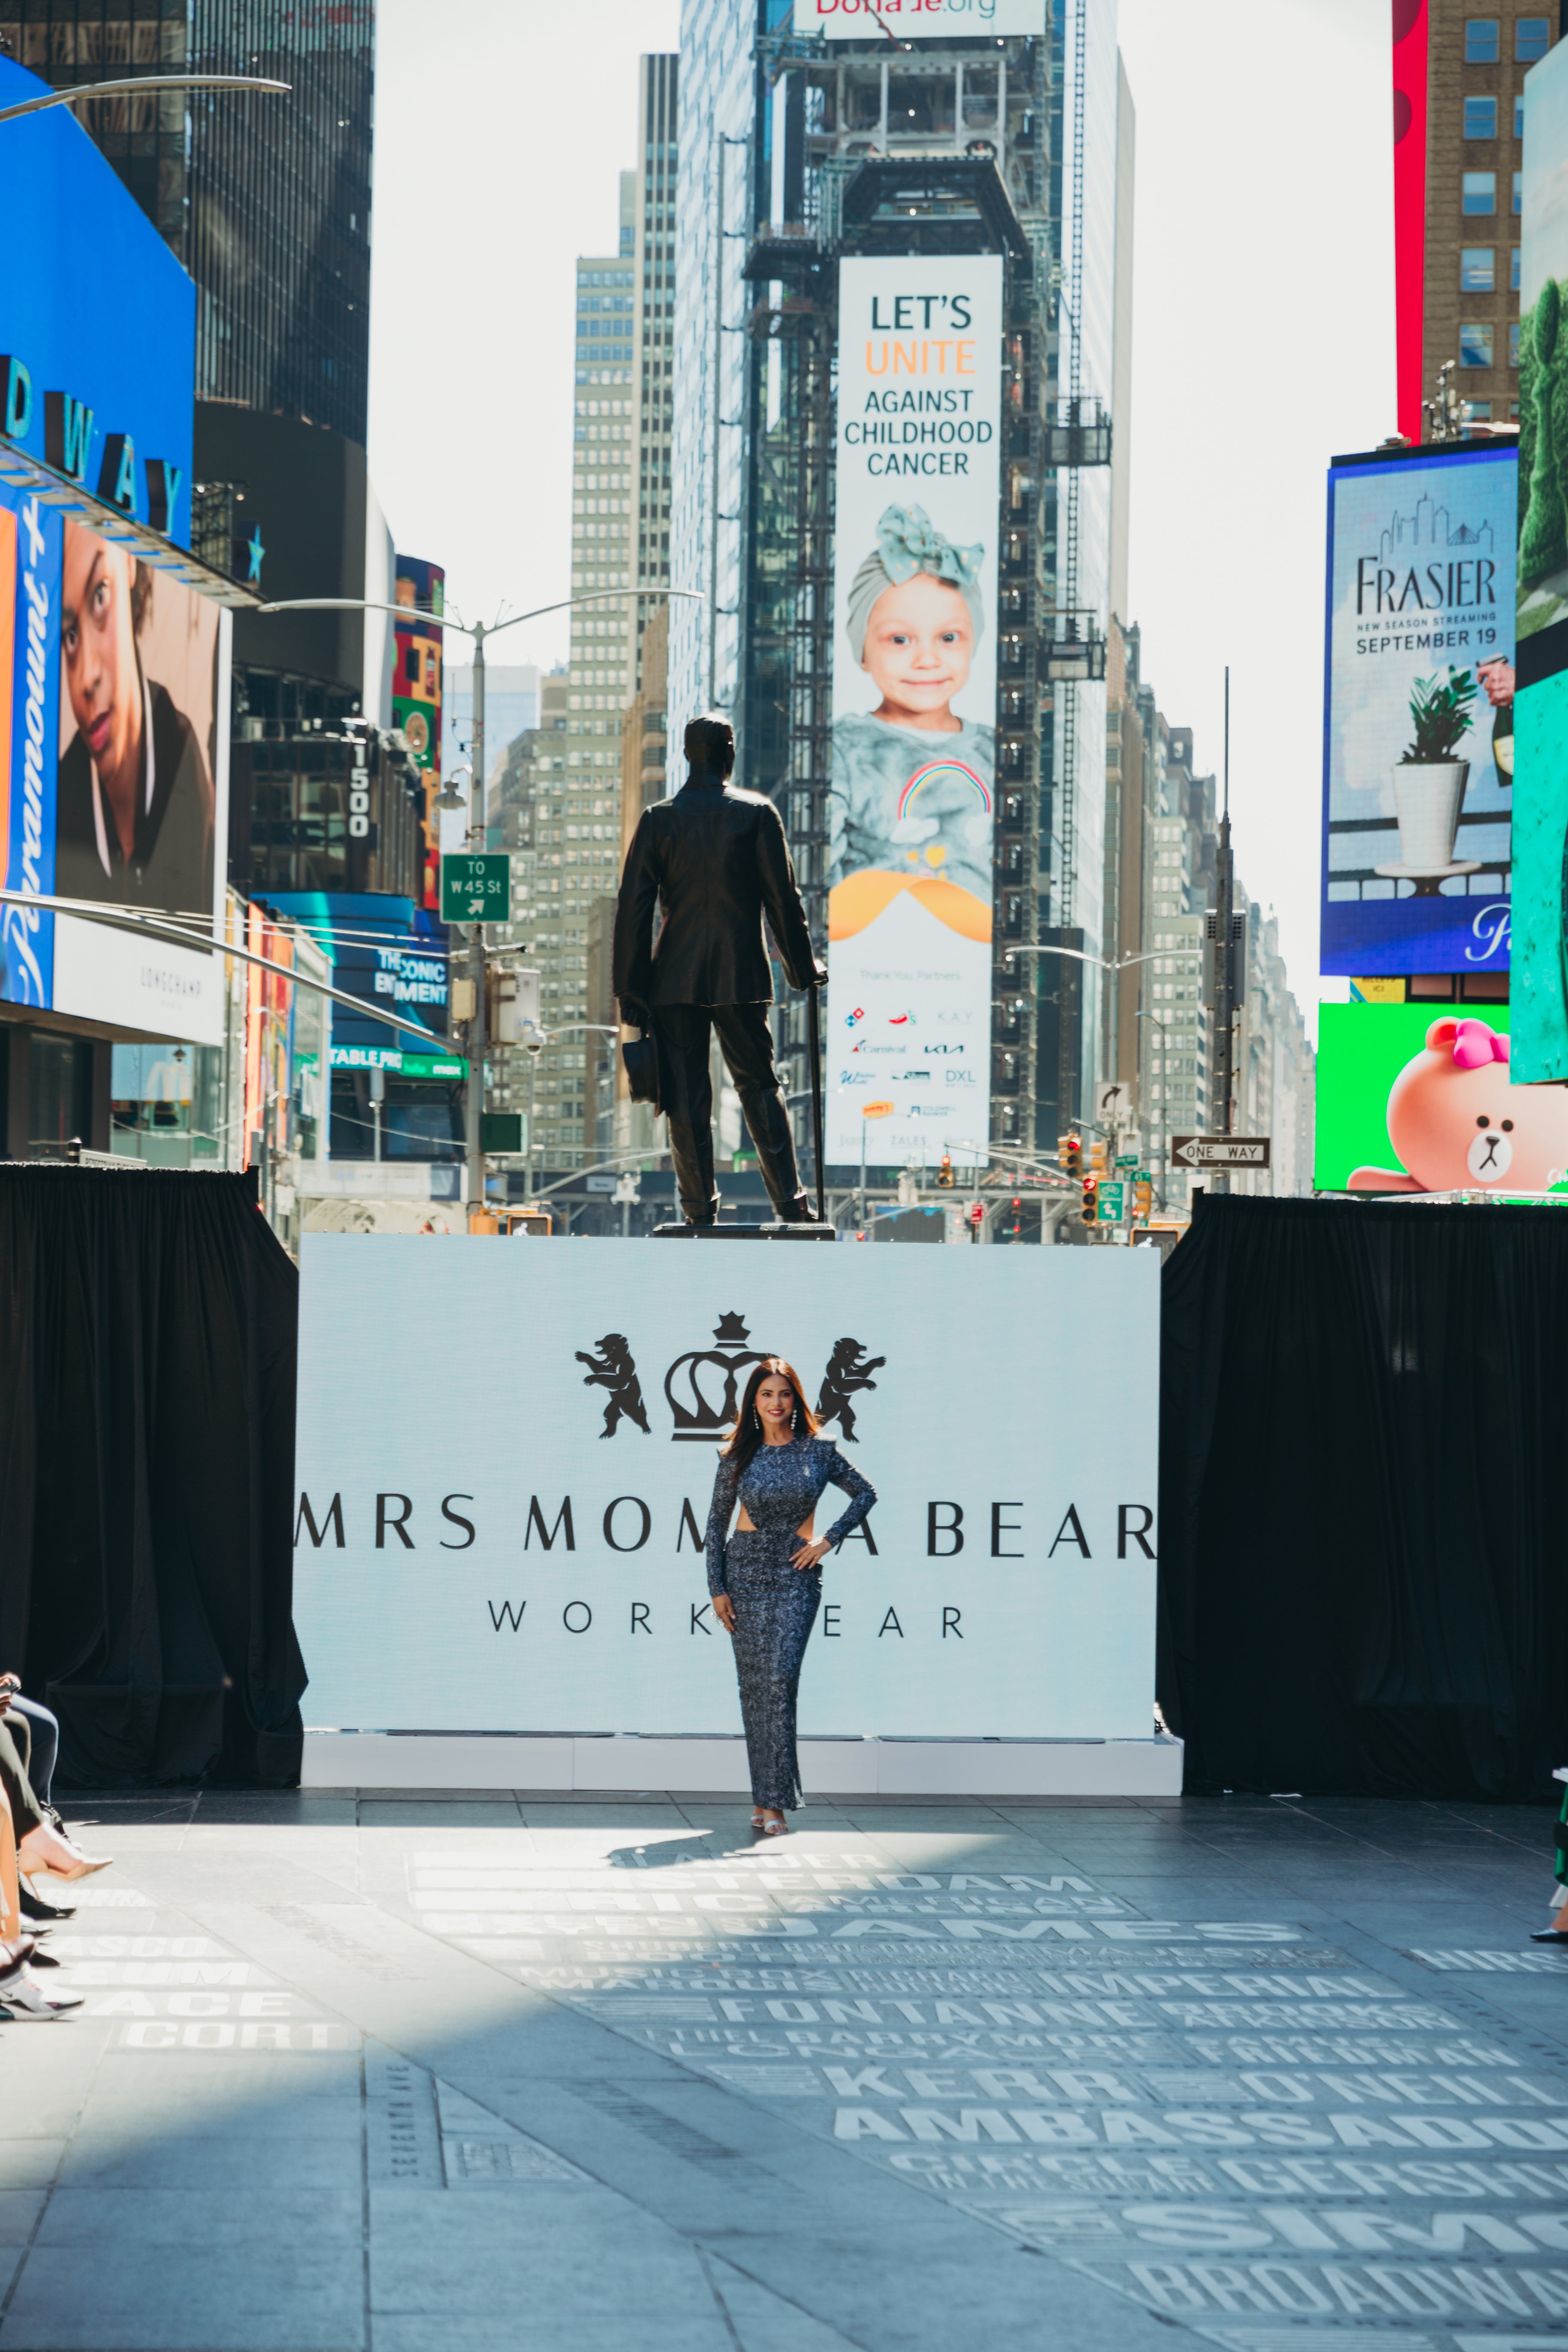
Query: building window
[(1532, 37), (1481, 117), (1476, 346), (1480, 41), (1478, 412), (1513, 269), (1518, 192), (1480, 192), (1476, 269), (1513, 343), (1518, 116)]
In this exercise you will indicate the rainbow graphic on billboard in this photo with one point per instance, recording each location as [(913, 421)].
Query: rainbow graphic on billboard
[(936, 771)]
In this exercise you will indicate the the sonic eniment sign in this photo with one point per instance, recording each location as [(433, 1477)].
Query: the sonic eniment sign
[(538, 1565)]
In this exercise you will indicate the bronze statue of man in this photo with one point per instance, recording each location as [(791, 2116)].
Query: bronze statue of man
[(714, 860)]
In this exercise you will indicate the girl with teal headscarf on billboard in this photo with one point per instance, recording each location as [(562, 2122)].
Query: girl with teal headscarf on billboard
[(913, 780)]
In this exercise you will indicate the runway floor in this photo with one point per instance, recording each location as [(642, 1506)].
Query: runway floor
[(398, 2072)]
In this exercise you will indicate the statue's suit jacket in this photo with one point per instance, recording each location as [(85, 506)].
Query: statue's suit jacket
[(715, 861)]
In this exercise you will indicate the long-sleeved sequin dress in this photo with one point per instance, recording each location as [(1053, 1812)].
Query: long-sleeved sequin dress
[(775, 1604)]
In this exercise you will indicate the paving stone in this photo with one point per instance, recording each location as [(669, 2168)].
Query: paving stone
[(621, 2077)]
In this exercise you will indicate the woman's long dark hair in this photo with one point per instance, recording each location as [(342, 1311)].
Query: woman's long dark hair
[(747, 1434)]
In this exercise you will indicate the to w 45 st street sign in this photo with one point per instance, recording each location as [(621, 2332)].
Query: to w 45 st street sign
[(1219, 1150), (476, 888)]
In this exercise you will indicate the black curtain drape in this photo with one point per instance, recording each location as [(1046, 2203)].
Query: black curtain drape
[(1363, 1429), (147, 1370)]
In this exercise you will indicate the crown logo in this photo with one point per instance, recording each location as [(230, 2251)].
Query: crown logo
[(702, 1386)]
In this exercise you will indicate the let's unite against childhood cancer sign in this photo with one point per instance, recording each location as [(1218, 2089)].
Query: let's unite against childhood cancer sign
[(517, 1546)]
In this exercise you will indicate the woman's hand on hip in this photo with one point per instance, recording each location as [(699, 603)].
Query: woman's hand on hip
[(811, 1554), (724, 1610)]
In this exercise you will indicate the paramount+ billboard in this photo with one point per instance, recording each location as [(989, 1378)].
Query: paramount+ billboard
[(113, 674), (914, 692)]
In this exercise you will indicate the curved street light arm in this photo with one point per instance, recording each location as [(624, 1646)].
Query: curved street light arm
[(141, 82), (1028, 947), (449, 620)]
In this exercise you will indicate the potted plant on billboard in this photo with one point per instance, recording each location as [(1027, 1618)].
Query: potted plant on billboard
[(1429, 782)]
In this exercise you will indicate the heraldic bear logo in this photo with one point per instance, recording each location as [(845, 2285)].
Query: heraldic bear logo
[(849, 1370), (613, 1369), (702, 1386)]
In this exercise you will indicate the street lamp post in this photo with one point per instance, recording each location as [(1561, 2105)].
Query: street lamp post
[(567, 1028), (474, 1091), (1164, 1051), (1225, 973)]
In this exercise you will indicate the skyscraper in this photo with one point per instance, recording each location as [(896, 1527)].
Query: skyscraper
[(802, 153), (265, 199), (620, 541), (1459, 110)]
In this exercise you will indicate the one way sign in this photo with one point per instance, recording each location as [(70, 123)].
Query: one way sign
[(1219, 1150)]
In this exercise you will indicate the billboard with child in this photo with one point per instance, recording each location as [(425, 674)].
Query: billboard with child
[(914, 690), (1418, 712)]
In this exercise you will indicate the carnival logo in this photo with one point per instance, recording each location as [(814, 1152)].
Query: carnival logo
[(702, 1387)]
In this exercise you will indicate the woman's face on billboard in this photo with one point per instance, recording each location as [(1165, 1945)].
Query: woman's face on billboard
[(98, 644), (920, 642)]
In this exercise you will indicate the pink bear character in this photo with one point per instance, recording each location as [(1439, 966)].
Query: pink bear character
[(1455, 1121)]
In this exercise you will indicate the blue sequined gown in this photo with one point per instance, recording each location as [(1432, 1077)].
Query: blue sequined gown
[(775, 1604)]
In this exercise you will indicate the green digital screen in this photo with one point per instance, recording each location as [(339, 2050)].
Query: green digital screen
[(1422, 1098)]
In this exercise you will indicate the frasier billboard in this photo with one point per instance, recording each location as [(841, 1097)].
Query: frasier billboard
[(914, 693), (537, 1563), (1418, 713)]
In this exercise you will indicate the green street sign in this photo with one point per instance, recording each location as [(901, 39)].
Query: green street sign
[(501, 1130), (1108, 1201), (477, 888), (1126, 1160)]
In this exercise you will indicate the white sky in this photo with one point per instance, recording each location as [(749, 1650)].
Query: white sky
[(1263, 340)]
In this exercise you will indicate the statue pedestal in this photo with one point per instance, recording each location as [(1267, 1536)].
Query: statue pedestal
[(775, 1232)]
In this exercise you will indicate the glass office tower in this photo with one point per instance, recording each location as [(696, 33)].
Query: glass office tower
[(265, 199)]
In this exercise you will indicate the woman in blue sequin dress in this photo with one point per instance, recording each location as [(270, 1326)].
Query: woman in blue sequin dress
[(766, 1579)]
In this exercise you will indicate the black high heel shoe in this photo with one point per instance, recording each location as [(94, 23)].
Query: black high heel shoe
[(33, 1906)]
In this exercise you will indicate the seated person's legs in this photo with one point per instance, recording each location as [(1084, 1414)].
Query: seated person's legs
[(39, 1846), (44, 1731)]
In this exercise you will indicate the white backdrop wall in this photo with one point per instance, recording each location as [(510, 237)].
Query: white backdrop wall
[(507, 1547)]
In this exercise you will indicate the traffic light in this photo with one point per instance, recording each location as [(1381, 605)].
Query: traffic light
[(1097, 1158), (1069, 1151), (1090, 1200), (1142, 1200), (944, 1173)]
